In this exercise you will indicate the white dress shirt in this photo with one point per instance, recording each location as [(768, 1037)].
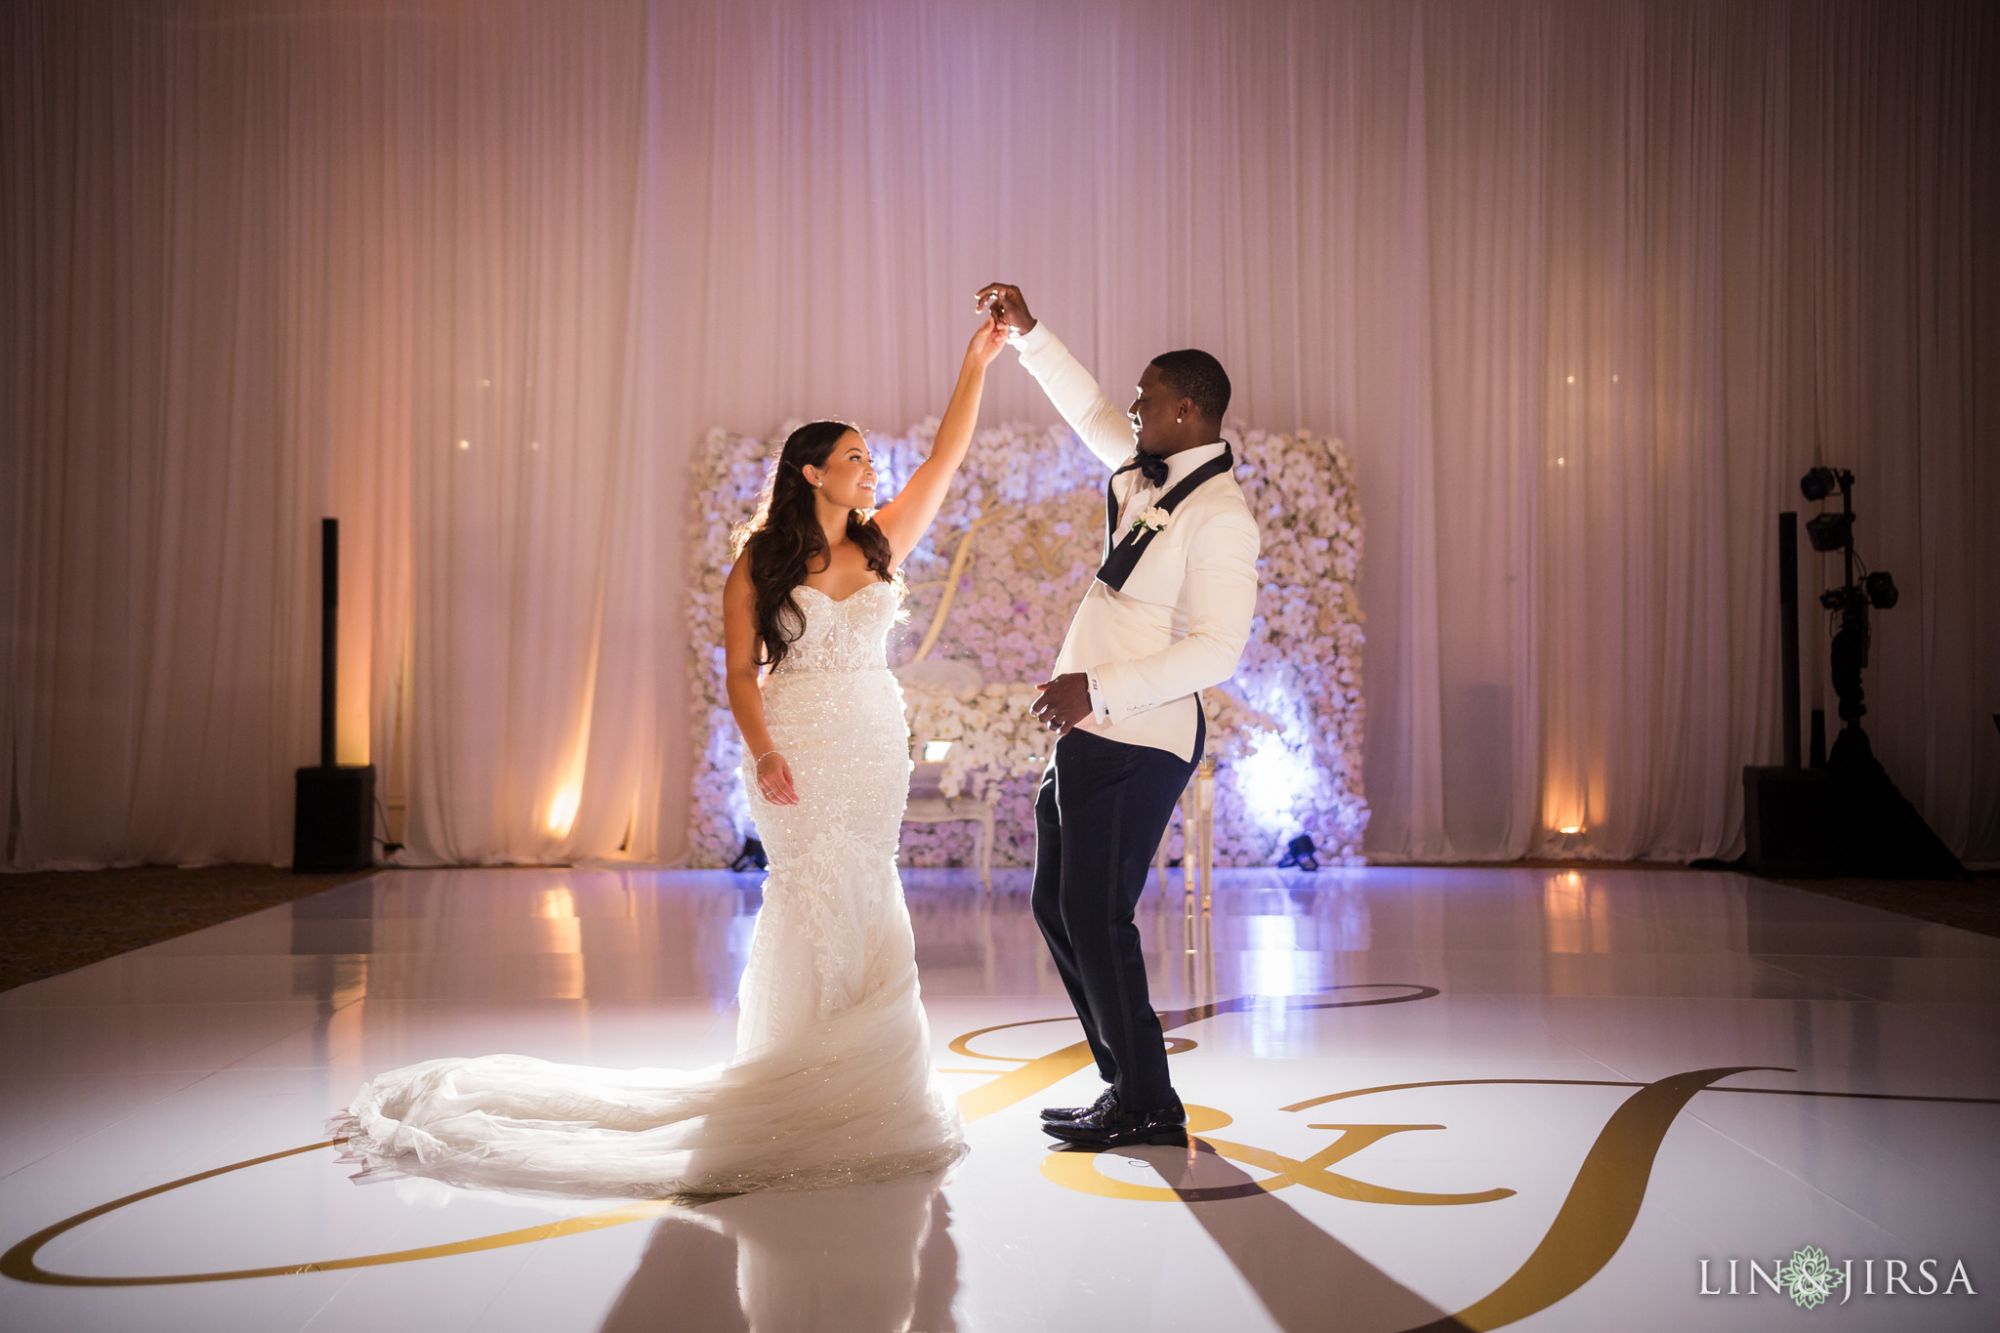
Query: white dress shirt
[(1180, 623)]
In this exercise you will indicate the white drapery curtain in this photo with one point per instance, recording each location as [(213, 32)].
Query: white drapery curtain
[(1584, 286)]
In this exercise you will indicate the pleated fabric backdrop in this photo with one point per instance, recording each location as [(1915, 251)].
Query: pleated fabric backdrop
[(1584, 286)]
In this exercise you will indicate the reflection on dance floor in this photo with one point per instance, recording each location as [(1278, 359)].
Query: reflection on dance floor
[(1418, 1098)]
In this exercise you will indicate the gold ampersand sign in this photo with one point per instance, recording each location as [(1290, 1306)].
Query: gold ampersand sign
[(1041, 552)]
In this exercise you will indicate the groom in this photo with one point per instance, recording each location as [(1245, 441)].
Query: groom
[(1167, 616)]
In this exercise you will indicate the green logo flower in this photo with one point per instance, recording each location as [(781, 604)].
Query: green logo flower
[(1809, 1277)]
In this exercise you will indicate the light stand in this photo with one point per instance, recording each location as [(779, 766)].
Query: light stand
[(1850, 819)]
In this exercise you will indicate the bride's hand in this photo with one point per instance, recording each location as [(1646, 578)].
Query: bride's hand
[(987, 340), (774, 780)]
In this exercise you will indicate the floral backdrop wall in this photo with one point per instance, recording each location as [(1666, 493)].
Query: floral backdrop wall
[(1014, 549)]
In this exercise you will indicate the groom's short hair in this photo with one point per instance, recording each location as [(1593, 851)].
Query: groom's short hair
[(1198, 377)]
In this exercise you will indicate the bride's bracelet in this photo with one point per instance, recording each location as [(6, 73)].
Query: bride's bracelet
[(759, 760)]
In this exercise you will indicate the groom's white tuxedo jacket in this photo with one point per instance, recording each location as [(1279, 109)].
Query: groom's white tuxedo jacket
[(1180, 623)]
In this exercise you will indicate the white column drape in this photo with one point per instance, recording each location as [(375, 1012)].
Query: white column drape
[(1584, 286)]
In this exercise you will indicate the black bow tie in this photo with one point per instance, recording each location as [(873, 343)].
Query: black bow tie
[(1153, 467)]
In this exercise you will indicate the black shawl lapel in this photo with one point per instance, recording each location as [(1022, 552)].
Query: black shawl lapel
[(1118, 564)]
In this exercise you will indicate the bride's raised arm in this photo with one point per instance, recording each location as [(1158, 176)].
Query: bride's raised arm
[(905, 519)]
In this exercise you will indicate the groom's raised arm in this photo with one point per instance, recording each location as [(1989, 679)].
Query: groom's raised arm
[(1075, 394), (1069, 386)]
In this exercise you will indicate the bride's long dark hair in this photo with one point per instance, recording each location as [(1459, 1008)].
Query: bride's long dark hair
[(784, 536)]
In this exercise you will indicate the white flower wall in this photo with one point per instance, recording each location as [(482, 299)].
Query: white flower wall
[(1286, 729)]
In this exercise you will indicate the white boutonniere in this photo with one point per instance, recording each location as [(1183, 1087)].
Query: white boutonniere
[(1153, 520)]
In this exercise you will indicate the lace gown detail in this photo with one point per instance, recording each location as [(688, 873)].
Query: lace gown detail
[(831, 1080)]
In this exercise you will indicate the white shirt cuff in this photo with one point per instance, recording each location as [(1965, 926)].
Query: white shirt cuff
[(1034, 340), (1099, 709)]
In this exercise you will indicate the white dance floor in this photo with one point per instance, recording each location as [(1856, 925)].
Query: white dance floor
[(1504, 1097)]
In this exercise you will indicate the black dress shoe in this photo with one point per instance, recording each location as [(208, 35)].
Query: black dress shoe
[(1115, 1127), (1105, 1101)]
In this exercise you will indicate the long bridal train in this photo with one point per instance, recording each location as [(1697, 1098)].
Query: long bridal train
[(831, 1082)]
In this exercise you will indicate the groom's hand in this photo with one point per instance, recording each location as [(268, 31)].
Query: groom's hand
[(1063, 702), (1005, 303)]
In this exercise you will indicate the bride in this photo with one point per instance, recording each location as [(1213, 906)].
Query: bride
[(831, 1080)]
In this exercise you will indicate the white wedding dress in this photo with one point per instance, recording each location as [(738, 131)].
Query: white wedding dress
[(831, 1081)]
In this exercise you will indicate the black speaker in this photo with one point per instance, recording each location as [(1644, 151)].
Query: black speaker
[(333, 811), (1788, 818), (333, 826)]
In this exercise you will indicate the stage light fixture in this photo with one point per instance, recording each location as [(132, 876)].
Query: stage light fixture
[(1829, 532), (1300, 854), (1881, 588), (751, 857), (1819, 483)]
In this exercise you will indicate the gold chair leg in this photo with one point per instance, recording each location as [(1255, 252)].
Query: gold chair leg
[(986, 852), (1204, 829)]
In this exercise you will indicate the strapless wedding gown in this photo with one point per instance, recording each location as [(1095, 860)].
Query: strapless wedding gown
[(831, 1081)]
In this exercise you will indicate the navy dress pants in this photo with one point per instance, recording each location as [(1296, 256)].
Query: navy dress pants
[(1100, 812)]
